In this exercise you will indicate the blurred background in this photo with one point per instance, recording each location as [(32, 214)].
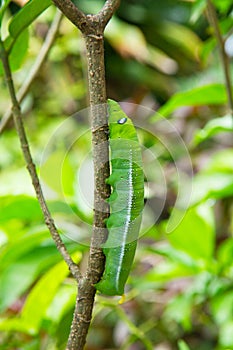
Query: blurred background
[(163, 63)]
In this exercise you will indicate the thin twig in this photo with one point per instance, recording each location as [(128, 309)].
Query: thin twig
[(221, 44), (48, 43), (31, 166)]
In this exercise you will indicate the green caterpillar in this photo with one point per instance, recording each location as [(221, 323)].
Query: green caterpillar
[(126, 201)]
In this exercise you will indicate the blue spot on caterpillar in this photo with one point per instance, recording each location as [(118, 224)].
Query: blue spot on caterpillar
[(122, 121), (126, 202)]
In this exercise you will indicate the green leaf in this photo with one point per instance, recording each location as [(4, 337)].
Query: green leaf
[(215, 186), (19, 245), (15, 180), (220, 162), (18, 52), (4, 5), (180, 310), (63, 301), (182, 345), (22, 207), (177, 256), (224, 256), (15, 280), (19, 275), (15, 325), (130, 40), (223, 6), (3, 238), (204, 95), (27, 15), (58, 174), (214, 127), (215, 180), (166, 271), (181, 38), (195, 233), (43, 293), (225, 335), (222, 306), (198, 8)]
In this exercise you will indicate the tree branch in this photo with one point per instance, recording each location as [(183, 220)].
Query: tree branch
[(86, 290), (213, 20), (77, 17), (105, 14), (31, 166), (92, 28), (49, 40)]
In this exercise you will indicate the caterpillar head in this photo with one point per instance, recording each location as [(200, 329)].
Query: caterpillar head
[(120, 125)]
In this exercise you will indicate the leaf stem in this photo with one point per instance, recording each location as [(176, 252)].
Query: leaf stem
[(31, 166), (48, 43)]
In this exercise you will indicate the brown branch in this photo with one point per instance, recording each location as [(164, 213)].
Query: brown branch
[(213, 20), (31, 166), (85, 22), (77, 17), (49, 40), (92, 28), (86, 292), (105, 14)]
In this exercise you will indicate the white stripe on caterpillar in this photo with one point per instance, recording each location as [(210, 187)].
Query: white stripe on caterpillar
[(128, 217)]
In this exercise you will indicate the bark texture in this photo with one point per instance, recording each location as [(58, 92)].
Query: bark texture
[(92, 28)]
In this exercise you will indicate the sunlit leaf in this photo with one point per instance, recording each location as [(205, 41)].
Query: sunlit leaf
[(214, 127), (177, 256), (19, 275), (3, 238), (43, 293), (20, 207), (27, 15), (220, 162), (130, 42), (225, 335), (18, 52), (215, 180), (164, 272), (195, 233), (15, 280), (224, 256), (182, 345), (15, 325), (223, 6), (203, 95), (180, 310), (221, 307), (181, 37), (3, 6), (57, 173), (214, 186), (198, 8), (19, 245), (63, 301)]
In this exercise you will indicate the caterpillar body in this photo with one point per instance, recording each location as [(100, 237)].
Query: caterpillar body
[(126, 201)]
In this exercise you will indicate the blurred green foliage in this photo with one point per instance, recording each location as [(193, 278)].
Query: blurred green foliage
[(163, 55)]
